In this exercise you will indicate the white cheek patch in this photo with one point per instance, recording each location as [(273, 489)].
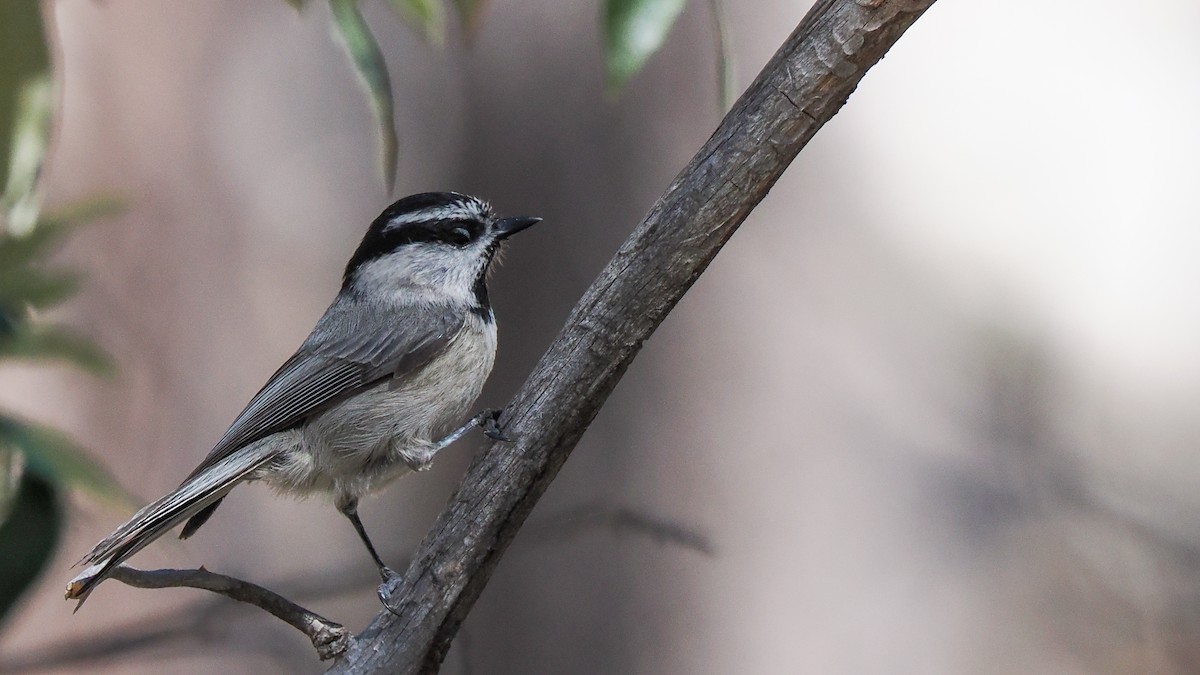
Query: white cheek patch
[(446, 271)]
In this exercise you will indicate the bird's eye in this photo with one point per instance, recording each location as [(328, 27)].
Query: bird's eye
[(460, 236)]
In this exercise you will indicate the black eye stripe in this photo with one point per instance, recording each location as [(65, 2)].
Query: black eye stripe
[(449, 231), (455, 232)]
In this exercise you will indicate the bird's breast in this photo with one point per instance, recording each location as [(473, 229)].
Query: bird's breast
[(418, 407)]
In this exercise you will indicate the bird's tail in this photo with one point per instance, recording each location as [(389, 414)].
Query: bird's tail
[(153, 520)]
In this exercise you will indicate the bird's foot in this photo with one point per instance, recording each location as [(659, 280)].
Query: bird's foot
[(389, 589), (489, 420)]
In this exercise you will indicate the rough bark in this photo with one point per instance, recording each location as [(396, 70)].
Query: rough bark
[(802, 87)]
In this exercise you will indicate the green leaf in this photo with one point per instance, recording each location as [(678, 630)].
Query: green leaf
[(82, 211), (55, 457), (372, 70), (633, 30), (29, 341), (21, 250), (20, 201), (43, 239), (427, 16), (31, 287), (470, 13), (24, 62), (12, 464), (11, 319), (28, 537), (297, 5), (26, 285)]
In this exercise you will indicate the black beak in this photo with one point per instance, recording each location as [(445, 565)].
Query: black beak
[(507, 227)]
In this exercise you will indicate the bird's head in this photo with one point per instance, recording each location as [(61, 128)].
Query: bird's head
[(433, 243)]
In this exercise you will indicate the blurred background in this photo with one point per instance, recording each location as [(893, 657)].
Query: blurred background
[(934, 409)]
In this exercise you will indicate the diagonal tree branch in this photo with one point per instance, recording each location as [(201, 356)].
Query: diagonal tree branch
[(802, 87)]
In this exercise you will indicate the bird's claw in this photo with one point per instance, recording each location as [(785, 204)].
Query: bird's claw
[(385, 589), (489, 420)]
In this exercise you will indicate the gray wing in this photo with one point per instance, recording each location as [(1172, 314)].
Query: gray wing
[(343, 356)]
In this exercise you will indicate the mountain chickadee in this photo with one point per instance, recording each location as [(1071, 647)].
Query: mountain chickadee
[(373, 392)]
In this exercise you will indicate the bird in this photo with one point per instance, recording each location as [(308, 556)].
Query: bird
[(375, 390)]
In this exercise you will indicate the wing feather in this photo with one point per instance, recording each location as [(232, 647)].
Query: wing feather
[(340, 358)]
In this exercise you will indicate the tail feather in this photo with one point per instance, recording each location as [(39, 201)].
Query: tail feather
[(152, 521), (194, 523)]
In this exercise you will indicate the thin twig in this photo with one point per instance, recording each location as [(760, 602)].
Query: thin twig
[(201, 621), (330, 639), (803, 86)]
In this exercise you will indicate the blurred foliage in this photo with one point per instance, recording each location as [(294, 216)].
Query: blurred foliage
[(27, 284), (427, 15), (37, 464), (724, 57), (470, 13), (26, 100), (364, 51), (28, 535), (52, 455), (633, 31), (24, 58)]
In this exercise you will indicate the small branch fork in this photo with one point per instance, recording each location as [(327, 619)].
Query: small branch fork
[(330, 639)]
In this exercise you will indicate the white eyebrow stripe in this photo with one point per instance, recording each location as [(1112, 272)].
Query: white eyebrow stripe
[(464, 210)]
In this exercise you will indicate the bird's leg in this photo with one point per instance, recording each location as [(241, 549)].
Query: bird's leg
[(420, 457), (485, 420), (349, 508)]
